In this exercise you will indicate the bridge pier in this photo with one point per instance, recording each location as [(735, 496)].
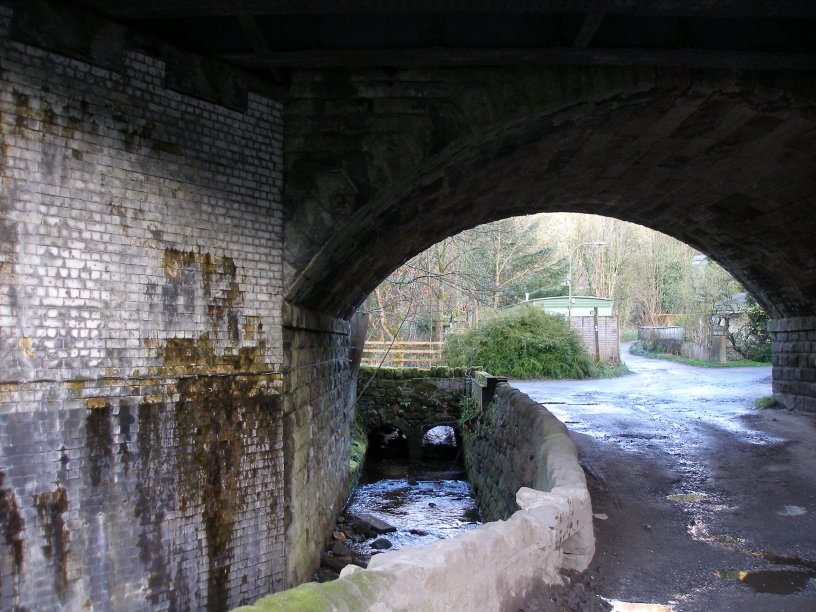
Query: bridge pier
[(415, 444), (794, 361), (141, 434)]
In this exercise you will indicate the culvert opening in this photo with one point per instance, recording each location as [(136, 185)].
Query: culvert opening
[(387, 442), (441, 443)]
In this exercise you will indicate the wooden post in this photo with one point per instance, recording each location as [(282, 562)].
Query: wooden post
[(597, 343)]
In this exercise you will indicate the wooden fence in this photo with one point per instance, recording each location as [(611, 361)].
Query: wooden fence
[(603, 342), (403, 354)]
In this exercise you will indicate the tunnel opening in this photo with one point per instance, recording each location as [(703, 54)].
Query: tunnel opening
[(441, 442), (612, 280), (387, 442)]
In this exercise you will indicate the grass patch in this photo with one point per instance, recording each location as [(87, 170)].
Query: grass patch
[(636, 349), (628, 335), (611, 370), (769, 401)]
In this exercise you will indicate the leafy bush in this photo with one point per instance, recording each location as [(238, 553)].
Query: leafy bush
[(752, 339), (524, 342)]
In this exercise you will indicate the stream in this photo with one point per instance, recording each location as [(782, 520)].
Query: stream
[(424, 501), (400, 503)]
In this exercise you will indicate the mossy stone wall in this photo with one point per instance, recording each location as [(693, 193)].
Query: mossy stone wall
[(413, 399)]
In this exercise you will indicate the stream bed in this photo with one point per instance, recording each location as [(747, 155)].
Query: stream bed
[(397, 504), (424, 501)]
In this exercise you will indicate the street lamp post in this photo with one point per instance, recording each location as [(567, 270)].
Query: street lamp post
[(595, 243)]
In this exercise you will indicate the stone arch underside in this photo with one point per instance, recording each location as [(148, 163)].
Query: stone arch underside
[(729, 169)]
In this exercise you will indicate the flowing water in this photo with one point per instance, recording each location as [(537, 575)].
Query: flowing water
[(423, 500)]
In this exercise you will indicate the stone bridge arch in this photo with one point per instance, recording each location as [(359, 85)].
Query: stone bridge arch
[(722, 162), (382, 164)]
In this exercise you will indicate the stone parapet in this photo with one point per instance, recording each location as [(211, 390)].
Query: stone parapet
[(486, 568)]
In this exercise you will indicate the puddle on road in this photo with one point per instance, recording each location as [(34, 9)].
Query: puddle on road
[(628, 606), (791, 511), (779, 582)]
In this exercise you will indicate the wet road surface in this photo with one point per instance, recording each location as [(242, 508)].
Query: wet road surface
[(702, 502)]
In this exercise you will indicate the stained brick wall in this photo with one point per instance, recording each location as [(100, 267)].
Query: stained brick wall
[(794, 361), (141, 420)]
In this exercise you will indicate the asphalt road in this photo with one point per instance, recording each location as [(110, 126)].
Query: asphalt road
[(701, 501)]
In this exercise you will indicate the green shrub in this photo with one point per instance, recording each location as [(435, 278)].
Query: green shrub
[(524, 342)]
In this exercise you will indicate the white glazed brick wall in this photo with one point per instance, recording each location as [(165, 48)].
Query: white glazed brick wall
[(133, 217), (102, 174)]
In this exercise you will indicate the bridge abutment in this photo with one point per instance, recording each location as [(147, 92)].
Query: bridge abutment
[(794, 361), (318, 404)]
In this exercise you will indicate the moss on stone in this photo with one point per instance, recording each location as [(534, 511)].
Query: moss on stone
[(96, 403), (185, 355), (354, 592)]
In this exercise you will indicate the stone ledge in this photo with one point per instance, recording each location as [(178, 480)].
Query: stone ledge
[(413, 373), (792, 324), (295, 317)]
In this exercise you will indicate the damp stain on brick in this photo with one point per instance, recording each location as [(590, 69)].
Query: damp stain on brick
[(126, 420), (12, 525), (99, 442), (155, 495), (21, 107), (186, 271), (135, 135), (51, 505), (219, 418)]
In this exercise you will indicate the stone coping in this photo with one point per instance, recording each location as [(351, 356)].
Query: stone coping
[(481, 569)]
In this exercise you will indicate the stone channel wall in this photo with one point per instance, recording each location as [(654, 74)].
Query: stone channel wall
[(794, 361), (486, 568), (141, 432)]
